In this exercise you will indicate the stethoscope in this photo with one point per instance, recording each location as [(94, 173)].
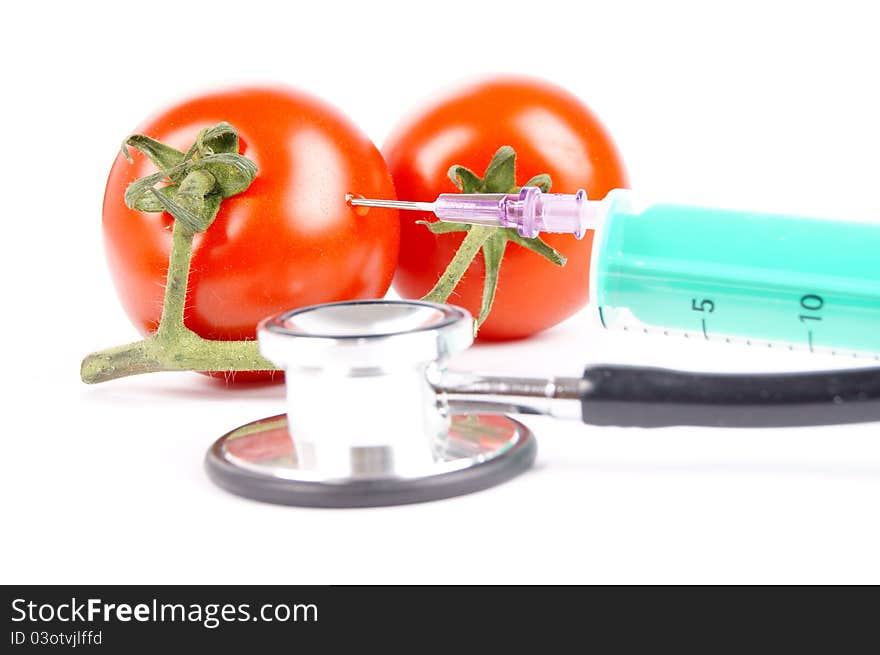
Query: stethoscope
[(374, 417)]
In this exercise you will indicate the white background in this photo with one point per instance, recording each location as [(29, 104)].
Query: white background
[(767, 105)]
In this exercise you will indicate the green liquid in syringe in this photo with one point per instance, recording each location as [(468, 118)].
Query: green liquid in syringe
[(804, 281)]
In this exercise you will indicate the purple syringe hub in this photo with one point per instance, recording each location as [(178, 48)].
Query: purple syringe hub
[(529, 211)]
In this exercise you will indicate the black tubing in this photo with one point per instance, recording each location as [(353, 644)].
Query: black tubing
[(655, 397)]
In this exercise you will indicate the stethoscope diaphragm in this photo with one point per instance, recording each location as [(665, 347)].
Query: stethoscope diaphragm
[(259, 461)]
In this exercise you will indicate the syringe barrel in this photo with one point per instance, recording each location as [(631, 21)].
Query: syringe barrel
[(723, 274)]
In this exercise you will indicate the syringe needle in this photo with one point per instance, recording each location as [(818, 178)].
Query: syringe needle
[(529, 211), (391, 204)]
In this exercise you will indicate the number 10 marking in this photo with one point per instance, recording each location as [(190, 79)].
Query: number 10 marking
[(811, 303)]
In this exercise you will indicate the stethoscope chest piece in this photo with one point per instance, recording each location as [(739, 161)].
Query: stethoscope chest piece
[(259, 461), (365, 425)]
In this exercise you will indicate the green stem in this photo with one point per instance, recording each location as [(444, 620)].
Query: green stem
[(465, 254), (183, 352), (174, 347), (500, 177), (198, 182), (171, 322)]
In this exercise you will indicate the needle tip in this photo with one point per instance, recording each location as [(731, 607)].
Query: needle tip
[(350, 200)]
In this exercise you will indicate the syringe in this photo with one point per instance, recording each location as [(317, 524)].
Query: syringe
[(530, 211), (713, 274)]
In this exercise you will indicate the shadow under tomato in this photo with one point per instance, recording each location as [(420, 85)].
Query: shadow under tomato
[(254, 379)]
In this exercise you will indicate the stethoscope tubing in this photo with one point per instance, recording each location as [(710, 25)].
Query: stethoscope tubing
[(656, 397)]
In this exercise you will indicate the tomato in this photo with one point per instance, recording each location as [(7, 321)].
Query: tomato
[(289, 240), (552, 132)]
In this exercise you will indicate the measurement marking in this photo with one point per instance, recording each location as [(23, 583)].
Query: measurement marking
[(705, 334), (813, 347)]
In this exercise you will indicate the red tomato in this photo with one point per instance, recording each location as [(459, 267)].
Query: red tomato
[(289, 240), (552, 132)]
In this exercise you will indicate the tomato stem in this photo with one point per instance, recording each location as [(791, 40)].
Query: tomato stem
[(188, 352), (500, 177), (171, 322), (470, 246), (174, 347), (195, 201)]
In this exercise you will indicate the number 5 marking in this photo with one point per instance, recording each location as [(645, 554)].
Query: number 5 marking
[(705, 305)]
